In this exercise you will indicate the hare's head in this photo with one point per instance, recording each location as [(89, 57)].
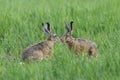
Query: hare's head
[(68, 35), (51, 37)]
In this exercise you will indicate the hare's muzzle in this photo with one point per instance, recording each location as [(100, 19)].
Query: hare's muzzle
[(58, 39)]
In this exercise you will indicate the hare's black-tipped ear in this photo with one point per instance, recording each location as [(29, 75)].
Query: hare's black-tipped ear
[(46, 29), (48, 26), (66, 27), (71, 25), (42, 24)]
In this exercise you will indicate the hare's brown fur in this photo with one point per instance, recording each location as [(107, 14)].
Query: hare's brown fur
[(83, 46), (40, 50), (79, 45)]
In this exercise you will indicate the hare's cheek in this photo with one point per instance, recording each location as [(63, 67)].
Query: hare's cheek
[(68, 39), (58, 38)]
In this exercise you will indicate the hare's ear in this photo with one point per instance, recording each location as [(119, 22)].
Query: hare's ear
[(66, 27), (46, 28), (71, 26), (42, 24)]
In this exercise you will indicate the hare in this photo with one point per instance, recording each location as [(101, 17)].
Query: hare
[(42, 49), (78, 45)]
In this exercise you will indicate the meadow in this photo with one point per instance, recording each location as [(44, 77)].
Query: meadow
[(96, 20)]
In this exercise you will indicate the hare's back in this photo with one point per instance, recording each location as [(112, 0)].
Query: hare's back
[(36, 47), (86, 42)]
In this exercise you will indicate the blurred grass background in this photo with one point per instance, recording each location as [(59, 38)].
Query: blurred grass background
[(20, 26)]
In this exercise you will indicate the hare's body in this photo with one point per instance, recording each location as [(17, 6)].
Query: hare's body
[(79, 45), (38, 51), (42, 49)]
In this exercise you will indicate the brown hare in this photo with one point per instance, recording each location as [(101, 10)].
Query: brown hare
[(42, 49), (79, 45)]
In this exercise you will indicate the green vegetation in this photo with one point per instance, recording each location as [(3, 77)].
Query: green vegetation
[(96, 20)]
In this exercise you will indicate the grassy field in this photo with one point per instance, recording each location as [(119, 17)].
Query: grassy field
[(96, 20)]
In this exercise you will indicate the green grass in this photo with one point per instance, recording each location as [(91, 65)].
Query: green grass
[(96, 20)]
